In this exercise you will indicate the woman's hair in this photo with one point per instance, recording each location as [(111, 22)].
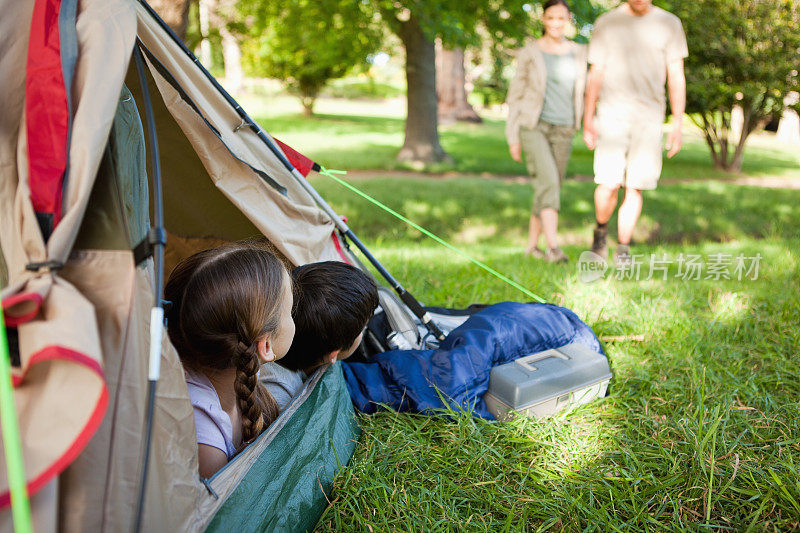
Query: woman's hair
[(550, 3), (223, 300)]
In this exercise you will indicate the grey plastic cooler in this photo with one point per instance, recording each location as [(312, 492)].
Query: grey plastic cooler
[(544, 383)]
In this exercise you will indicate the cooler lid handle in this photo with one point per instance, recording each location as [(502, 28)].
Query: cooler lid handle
[(527, 361)]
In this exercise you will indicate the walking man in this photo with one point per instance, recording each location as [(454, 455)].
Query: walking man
[(634, 50)]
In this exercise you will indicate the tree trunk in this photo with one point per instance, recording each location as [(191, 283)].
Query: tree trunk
[(422, 136), (232, 56), (789, 127), (205, 45), (175, 13), (308, 105), (749, 124), (724, 136), (451, 81)]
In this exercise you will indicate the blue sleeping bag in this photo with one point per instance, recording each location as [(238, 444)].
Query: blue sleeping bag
[(407, 380)]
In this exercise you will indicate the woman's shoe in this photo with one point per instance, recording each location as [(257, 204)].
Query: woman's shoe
[(555, 255), (535, 252)]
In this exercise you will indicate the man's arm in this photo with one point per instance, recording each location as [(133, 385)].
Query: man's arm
[(594, 83), (676, 85)]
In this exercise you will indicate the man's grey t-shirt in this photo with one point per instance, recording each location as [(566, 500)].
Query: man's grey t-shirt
[(634, 52), (283, 384)]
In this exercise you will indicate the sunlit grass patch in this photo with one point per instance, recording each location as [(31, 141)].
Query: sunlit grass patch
[(699, 430)]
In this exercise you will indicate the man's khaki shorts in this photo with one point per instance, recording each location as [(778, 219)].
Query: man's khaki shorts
[(628, 153)]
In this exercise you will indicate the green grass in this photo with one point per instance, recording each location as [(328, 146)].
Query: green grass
[(700, 430), (353, 135)]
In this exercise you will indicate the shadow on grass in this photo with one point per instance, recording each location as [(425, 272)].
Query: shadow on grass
[(474, 211), (481, 148), (349, 124)]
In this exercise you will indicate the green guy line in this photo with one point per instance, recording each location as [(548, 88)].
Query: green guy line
[(332, 174), (20, 506)]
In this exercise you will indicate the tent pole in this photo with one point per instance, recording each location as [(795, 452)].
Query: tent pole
[(404, 295), (156, 236)]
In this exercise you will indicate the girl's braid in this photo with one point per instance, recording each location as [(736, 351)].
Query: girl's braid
[(256, 404)]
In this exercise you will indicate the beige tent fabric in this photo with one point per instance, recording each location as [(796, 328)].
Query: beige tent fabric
[(14, 28), (60, 346), (43, 511), (297, 227), (60, 362), (3, 270), (99, 490)]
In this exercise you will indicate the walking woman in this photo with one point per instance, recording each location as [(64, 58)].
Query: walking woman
[(545, 104)]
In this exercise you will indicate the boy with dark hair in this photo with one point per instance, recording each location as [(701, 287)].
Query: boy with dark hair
[(333, 302)]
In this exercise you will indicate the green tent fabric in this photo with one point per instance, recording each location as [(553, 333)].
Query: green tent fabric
[(119, 215), (288, 486)]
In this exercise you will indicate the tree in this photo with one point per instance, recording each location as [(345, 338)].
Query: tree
[(213, 30), (748, 59), (307, 43), (456, 22), (493, 81), (459, 24), (451, 78), (175, 13)]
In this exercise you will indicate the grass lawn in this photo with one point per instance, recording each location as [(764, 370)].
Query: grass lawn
[(700, 430), (352, 135)]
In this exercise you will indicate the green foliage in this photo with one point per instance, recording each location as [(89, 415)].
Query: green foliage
[(193, 33), (366, 88), (456, 22), (307, 43), (194, 37), (749, 58), (492, 85)]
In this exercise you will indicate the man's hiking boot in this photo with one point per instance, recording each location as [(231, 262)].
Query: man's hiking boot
[(599, 244), (555, 255), (622, 255)]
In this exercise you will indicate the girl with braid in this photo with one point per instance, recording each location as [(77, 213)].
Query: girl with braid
[(231, 312)]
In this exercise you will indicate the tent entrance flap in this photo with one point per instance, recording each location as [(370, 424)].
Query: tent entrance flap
[(193, 206), (288, 486)]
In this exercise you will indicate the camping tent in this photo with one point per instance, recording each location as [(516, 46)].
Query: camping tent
[(75, 200)]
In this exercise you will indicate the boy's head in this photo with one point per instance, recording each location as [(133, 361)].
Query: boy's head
[(333, 303)]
